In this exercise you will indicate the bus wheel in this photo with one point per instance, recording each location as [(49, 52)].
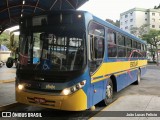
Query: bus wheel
[(9, 62), (109, 94), (138, 78)]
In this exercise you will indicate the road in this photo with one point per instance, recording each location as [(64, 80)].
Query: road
[(150, 84)]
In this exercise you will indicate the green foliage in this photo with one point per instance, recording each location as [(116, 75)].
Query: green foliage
[(4, 39), (153, 38), (157, 7), (117, 23), (139, 31)]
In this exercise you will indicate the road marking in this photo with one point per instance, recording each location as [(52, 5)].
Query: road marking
[(7, 81)]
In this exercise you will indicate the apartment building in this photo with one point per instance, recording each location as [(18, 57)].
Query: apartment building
[(137, 17)]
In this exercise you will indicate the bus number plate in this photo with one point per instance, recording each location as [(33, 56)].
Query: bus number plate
[(39, 100)]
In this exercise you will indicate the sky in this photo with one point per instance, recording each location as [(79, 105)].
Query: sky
[(111, 9)]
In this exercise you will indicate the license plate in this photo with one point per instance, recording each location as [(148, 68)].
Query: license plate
[(39, 100)]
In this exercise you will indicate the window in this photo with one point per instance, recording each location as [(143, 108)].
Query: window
[(145, 13), (134, 44), (96, 35), (112, 47), (98, 47), (126, 27), (146, 19), (96, 29), (126, 21), (131, 13), (139, 45), (153, 14), (121, 40), (126, 16), (153, 26), (96, 32), (131, 20), (112, 50), (153, 19), (121, 51), (129, 50), (128, 42), (111, 36)]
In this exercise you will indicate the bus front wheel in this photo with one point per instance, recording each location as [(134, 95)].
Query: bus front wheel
[(109, 93), (10, 62)]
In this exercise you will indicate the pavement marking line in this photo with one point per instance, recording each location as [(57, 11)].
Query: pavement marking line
[(7, 81), (8, 72), (108, 106)]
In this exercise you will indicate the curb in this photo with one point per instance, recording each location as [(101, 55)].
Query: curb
[(6, 107), (7, 81)]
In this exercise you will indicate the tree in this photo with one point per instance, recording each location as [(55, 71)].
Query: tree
[(117, 23), (139, 31), (157, 7), (153, 38), (4, 39)]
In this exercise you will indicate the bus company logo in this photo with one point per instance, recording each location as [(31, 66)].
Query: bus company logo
[(6, 114), (50, 87), (133, 63), (17, 114)]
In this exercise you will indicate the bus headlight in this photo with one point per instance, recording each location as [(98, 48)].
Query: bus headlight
[(20, 86), (74, 88)]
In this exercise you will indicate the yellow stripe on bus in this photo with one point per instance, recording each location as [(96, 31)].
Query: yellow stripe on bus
[(117, 68)]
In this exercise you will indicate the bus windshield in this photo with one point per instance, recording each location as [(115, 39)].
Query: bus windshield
[(57, 49)]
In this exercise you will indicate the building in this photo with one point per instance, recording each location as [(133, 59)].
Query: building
[(137, 17)]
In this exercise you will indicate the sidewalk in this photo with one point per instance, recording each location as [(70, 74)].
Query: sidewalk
[(7, 74), (131, 107), (7, 86)]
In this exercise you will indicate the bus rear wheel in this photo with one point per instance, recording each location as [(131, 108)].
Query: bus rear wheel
[(109, 93)]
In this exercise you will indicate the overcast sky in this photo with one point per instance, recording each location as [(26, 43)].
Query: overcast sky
[(111, 9)]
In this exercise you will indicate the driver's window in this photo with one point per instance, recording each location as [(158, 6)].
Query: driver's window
[(96, 35)]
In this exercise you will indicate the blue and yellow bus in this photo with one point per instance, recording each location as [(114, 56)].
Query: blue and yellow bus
[(81, 60)]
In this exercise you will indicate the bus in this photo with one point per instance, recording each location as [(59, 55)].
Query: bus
[(81, 60)]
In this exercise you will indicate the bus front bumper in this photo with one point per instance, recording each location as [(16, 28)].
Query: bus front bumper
[(74, 102)]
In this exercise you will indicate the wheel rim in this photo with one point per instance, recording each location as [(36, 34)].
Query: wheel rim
[(138, 76), (109, 91)]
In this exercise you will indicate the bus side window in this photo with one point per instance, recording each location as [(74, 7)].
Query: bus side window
[(99, 47), (112, 47)]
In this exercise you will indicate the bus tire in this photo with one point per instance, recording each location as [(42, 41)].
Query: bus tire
[(109, 94), (9, 62), (138, 78)]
